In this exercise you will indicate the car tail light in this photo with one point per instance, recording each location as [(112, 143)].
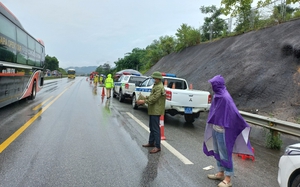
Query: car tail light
[(209, 98), (169, 95), (126, 86)]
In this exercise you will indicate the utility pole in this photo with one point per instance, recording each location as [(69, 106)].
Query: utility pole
[(210, 35), (283, 9)]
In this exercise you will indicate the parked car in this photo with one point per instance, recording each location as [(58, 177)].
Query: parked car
[(125, 86), (180, 99), (126, 72), (289, 167)]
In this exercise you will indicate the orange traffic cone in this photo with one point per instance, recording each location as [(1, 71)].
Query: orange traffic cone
[(244, 156), (162, 127), (103, 92)]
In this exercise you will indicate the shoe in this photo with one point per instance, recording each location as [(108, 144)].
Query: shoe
[(224, 184), (215, 177), (155, 150), (148, 145)]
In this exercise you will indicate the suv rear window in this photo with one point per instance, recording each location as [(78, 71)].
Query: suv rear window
[(179, 84), (136, 80)]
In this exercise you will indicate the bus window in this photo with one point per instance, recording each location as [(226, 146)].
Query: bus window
[(31, 51), (22, 40), (7, 35), (7, 28)]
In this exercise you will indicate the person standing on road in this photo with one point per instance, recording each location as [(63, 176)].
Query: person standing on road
[(101, 80), (109, 84), (156, 107), (226, 130), (91, 78), (96, 78)]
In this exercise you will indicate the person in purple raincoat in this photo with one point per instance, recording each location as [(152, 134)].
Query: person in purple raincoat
[(226, 132)]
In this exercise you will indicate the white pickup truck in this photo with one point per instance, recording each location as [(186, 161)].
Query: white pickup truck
[(125, 86), (179, 98)]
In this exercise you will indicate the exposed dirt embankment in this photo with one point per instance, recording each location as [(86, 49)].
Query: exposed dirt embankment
[(261, 69)]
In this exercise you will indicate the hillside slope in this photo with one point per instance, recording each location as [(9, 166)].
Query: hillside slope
[(261, 69)]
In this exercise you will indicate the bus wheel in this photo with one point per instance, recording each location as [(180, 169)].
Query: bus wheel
[(33, 93)]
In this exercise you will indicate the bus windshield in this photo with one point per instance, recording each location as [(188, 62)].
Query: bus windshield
[(22, 60), (71, 73)]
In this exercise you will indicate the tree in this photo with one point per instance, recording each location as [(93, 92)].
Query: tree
[(167, 44), (153, 54), (214, 23), (236, 7), (241, 9), (186, 36), (104, 69), (132, 60), (243, 21), (281, 14), (62, 71), (262, 3), (51, 63)]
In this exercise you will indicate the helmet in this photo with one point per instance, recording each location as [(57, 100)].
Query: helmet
[(156, 75)]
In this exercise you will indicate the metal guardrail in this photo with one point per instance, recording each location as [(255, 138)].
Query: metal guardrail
[(272, 123)]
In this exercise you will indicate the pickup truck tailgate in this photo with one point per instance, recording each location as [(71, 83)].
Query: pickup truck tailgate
[(188, 98)]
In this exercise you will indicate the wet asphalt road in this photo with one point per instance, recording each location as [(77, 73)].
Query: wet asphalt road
[(71, 136)]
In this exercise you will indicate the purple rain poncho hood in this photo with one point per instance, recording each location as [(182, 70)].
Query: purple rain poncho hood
[(223, 112)]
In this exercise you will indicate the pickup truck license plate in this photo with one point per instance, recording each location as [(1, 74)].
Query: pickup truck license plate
[(188, 110)]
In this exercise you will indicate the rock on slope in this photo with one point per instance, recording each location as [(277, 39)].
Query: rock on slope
[(261, 69)]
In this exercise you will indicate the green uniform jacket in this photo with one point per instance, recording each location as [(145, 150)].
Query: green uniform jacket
[(109, 82), (156, 101)]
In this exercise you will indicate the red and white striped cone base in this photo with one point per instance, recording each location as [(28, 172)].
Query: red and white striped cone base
[(162, 127)]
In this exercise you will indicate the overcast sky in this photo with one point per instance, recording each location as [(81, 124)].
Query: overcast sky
[(94, 32)]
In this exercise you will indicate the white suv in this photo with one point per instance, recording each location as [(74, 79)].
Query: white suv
[(289, 167), (125, 86)]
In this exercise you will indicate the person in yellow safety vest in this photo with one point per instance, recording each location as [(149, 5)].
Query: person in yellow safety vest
[(96, 78), (101, 80), (109, 84)]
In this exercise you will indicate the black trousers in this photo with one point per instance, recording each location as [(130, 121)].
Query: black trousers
[(154, 137)]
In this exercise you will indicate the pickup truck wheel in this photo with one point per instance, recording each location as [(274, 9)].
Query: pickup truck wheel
[(114, 94), (134, 105), (121, 97), (189, 118)]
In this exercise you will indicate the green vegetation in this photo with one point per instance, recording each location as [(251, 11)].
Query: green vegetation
[(214, 26), (52, 64), (247, 19), (298, 120), (273, 140)]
